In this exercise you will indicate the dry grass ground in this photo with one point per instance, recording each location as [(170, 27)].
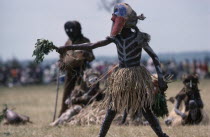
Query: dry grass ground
[(38, 103)]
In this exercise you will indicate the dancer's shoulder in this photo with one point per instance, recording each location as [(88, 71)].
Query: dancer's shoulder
[(145, 36)]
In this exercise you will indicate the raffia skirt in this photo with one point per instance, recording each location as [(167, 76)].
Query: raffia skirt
[(129, 89)]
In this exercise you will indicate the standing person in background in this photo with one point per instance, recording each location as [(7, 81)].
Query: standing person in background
[(73, 62)]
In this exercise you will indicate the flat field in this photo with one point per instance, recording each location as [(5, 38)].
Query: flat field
[(38, 103)]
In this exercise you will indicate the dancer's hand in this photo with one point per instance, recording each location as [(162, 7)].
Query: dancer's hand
[(183, 116), (62, 49), (162, 85)]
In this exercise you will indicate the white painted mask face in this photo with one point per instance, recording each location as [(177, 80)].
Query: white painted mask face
[(92, 79)]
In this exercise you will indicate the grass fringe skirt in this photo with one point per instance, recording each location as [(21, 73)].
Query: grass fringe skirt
[(129, 89)]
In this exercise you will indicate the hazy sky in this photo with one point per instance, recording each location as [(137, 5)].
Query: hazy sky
[(174, 25)]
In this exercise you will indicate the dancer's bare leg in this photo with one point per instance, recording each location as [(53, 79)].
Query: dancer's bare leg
[(107, 122), (147, 113), (125, 114)]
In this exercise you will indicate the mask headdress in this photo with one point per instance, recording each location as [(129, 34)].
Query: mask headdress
[(73, 29), (124, 16)]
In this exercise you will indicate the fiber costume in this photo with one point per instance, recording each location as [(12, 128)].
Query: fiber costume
[(130, 86)]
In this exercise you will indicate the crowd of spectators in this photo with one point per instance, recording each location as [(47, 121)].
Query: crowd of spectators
[(178, 69), (14, 73)]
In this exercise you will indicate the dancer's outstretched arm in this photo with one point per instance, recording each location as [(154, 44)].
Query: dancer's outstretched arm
[(177, 105), (85, 46), (162, 84)]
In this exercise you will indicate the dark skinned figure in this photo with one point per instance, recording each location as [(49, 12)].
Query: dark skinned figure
[(73, 62), (188, 108), (130, 86)]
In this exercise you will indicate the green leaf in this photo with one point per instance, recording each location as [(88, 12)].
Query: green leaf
[(43, 47)]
